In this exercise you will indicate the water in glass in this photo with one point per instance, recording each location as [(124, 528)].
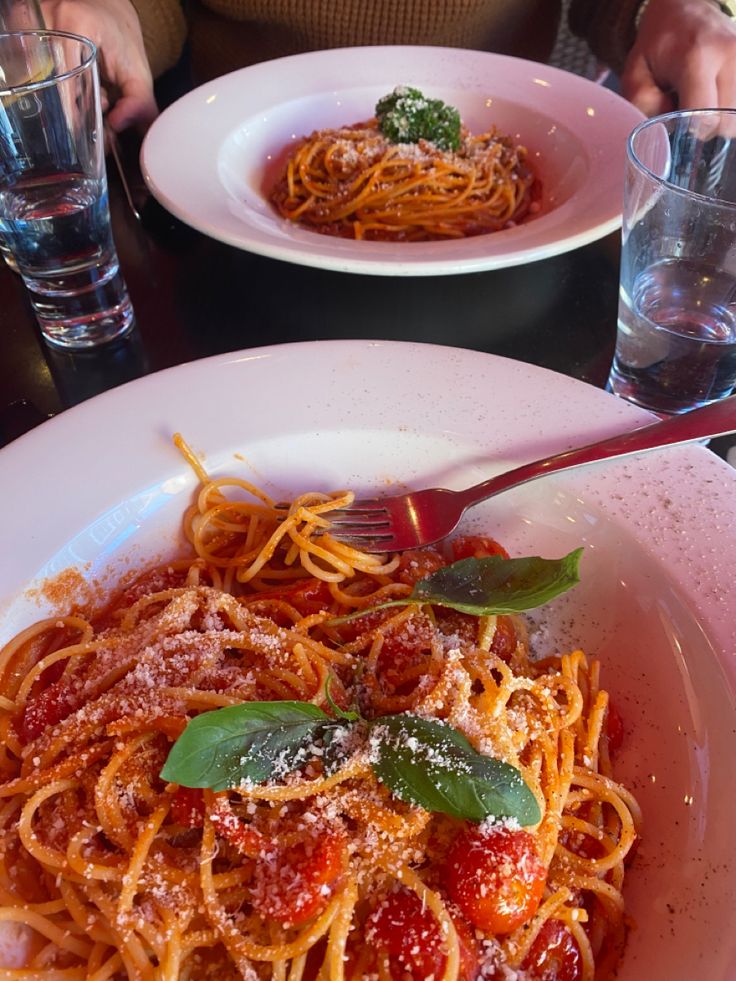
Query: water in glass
[(676, 345), (59, 231)]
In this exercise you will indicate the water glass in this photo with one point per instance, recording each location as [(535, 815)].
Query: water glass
[(6, 254), (676, 338), (18, 15), (54, 211)]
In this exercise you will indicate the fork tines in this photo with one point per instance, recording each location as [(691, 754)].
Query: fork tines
[(362, 522), (344, 523)]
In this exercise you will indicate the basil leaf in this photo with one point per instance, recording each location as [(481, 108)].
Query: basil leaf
[(427, 763), (495, 585), (491, 585), (226, 747)]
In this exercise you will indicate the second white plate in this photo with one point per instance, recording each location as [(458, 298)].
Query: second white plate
[(209, 158)]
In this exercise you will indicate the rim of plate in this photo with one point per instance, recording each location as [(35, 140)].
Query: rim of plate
[(182, 154)]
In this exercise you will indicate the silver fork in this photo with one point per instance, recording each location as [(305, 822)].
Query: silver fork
[(394, 524)]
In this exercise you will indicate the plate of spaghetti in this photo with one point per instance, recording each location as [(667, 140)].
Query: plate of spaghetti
[(288, 160), (411, 174), (235, 746)]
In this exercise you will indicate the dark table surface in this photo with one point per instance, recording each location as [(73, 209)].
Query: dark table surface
[(196, 297)]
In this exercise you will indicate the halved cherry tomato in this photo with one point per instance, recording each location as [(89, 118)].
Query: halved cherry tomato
[(554, 955), (187, 807), (407, 932), (495, 877), (476, 547), (46, 709), (294, 884)]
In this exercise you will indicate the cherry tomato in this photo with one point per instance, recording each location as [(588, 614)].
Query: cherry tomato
[(408, 933), (404, 653), (453, 623), (46, 709), (554, 955), (294, 884), (187, 807), (614, 728), (469, 955), (247, 839), (476, 547), (418, 564), (495, 877)]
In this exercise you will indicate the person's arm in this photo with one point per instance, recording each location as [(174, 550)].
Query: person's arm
[(136, 42), (669, 53)]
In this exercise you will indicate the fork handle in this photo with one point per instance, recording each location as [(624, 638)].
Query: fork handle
[(709, 421)]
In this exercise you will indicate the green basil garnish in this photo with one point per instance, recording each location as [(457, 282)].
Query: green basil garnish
[(420, 760), (495, 585), (408, 116), (244, 743), (490, 586), (427, 763)]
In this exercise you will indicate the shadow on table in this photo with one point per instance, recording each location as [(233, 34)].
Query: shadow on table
[(83, 374), (559, 312)]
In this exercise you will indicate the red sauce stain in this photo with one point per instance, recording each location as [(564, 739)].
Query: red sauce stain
[(67, 590)]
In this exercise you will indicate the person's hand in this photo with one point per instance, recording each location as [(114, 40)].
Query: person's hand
[(684, 57), (125, 75)]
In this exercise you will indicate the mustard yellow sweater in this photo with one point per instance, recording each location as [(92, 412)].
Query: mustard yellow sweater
[(228, 34)]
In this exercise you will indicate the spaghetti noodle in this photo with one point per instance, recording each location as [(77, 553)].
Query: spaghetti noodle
[(352, 182), (108, 872)]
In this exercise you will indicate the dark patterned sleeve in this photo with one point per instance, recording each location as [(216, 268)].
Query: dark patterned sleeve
[(609, 27)]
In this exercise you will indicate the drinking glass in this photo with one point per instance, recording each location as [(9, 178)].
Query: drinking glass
[(676, 338), (17, 15), (53, 188), (20, 15)]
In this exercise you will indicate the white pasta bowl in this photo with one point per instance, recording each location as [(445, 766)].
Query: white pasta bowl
[(104, 491), (212, 156)]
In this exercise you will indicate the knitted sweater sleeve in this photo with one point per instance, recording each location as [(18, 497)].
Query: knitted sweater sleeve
[(609, 27), (164, 31)]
